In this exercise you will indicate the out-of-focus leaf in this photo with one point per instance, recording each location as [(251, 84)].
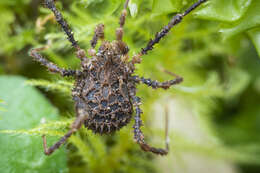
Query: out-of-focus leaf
[(250, 20), (224, 10), (166, 6), (7, 17), (25, 107), (88, 2), (101, 8), (14, 2), (238, 16), (237, 83), (19, 41), (255, 37), (1, 108)]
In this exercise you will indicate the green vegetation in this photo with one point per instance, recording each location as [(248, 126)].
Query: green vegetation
[(216, 49), (21, 152)]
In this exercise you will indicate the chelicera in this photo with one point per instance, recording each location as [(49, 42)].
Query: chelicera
[(105, 87)]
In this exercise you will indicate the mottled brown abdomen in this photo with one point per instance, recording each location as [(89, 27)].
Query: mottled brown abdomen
[(108, 100)]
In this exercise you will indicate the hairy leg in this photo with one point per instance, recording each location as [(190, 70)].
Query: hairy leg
[(120, 30), (50, 150), (75, 126), (155, 84), (81, 117), (138, 134), (80, 53), (51, 66), (159, 35)]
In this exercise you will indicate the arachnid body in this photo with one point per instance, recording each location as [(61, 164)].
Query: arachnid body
[(105, 87)]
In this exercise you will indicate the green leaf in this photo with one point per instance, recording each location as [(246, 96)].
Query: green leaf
[(1, 106), (238, 16), (250, 20), (25, 107), (237, 82), (166, 6), (255, 37), (223, 10), (13, 3), (88, 2), (7, 17), (100, 8)]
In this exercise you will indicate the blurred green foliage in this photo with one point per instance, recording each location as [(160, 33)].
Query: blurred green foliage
[(215, 52), (20, 153)]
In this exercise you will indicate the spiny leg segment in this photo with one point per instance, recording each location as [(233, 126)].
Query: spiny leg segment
[(51, 66), (59, 18), (174, 21), (155, 84), (138, 134), (82, 115), (50, 150), (120, 30)]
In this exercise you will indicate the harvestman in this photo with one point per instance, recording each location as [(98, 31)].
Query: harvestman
[(105, 87)]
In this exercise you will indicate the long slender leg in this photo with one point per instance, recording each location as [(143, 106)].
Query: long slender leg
[(81, 117), (120, 30), (51, 66), (59, 18), (50, 150), (138, 134), (75, 126), (174, 21), (155, 84)]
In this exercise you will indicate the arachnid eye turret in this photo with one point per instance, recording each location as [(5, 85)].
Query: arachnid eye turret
[(123, 47)]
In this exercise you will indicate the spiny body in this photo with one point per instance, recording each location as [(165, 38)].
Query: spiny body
[(104, 89)]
